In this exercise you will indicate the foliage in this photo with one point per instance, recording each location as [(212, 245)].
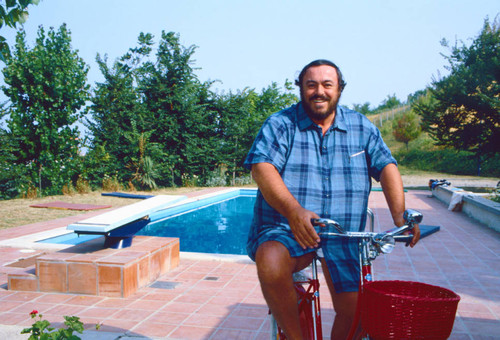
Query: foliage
[(183, 121), (413, 97), (406, 128), (421, 156), (12, 12), (41, 329), (155, 124), (82, 185), (362, 108), (116, 109), (496, 194), (389, 103), (241, 116), (110, 183), (464, 110), (46, 87)]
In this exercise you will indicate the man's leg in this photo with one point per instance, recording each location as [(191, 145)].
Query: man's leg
[(344, 305), (275, 267)]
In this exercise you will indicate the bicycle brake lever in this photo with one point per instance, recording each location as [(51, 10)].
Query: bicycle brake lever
[(329, 223)]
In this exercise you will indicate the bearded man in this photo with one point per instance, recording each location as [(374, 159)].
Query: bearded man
[(316, 159)]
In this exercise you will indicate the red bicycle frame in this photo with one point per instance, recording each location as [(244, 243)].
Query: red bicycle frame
[(308, 305)]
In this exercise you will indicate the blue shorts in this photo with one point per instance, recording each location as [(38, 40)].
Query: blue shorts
[(341, 254)]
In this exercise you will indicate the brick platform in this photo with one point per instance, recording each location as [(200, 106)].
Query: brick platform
[(90, 269)]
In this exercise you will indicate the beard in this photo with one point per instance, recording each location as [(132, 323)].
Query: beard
[(318, 114)]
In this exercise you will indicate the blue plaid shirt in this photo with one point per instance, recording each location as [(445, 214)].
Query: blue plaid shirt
[(329, 175)]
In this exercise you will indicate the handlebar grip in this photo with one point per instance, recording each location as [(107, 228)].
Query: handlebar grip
[(403, 238)]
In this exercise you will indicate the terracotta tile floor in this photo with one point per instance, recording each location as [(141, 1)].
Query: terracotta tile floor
[(212, 299)]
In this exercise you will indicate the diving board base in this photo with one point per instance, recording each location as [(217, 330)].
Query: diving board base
[(90, 268)]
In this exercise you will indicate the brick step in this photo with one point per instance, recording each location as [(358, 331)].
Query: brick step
[(89, 268), (21, 279)]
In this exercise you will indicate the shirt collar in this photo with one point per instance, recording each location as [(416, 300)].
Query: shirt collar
[(304, 121)]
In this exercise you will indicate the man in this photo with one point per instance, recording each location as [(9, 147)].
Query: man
[(313, 160)]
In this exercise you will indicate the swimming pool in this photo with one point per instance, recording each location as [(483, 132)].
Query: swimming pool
[(216, 224), (216, 227)]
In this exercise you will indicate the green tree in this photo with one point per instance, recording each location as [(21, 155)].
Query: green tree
[(406, 128), (153, 116), (179, 108), (117, 116), (241, 116), (46, 87), (463, 112), (12, 12), (389, 103), (153, 119), (362, 108)]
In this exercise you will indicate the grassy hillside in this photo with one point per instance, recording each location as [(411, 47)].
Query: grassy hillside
[(423, 155)]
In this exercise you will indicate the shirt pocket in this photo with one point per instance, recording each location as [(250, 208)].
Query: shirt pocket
[(358, 170)]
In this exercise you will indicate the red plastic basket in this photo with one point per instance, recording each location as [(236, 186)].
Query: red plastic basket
[(407, 310)]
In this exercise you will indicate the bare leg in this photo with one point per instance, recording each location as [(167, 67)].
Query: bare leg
[(344, 305), (275, 267)]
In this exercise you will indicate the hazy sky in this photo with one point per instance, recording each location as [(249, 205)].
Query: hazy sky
[(383, 47)]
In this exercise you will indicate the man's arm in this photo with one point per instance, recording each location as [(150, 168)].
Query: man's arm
[(392, 185), (278, 196)]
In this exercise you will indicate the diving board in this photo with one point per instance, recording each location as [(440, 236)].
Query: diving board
[(111, 220)]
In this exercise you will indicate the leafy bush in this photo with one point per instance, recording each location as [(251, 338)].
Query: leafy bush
[(189, 181), (41, 328), (68, 189), (110, 183), (243, 180), (496, 194), (82, 185), (216, 181)]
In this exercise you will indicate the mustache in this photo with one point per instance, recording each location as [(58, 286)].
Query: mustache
[(316, 97)]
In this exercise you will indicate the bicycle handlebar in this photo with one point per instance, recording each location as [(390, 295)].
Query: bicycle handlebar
[(388, 237)]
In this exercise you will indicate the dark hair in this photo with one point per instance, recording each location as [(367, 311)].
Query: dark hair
[(319, 62)]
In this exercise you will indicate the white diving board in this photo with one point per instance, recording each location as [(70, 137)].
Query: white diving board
[(106, 222)]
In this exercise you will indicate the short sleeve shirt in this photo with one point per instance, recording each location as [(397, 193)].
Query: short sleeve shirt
[(330, 174)]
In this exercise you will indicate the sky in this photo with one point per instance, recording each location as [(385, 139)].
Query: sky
[(383, 47)]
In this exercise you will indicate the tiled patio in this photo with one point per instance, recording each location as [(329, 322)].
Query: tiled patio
[(204, 298)]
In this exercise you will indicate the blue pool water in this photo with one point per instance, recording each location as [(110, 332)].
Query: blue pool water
[(219, 228), (217, 224)]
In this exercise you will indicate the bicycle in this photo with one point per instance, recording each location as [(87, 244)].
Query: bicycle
[(397, 297)]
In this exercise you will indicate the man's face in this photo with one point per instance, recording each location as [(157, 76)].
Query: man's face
[(320, 92)]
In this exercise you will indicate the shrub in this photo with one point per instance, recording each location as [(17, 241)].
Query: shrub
[(68, 189), (216, 180), (82, 185), (243, 180), (29, 191), (110, 183), (41, 328), (131, 186), (189, 181), (496, 194)]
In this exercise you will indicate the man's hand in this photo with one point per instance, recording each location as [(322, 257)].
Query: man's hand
[(302, 228), (416, 235)]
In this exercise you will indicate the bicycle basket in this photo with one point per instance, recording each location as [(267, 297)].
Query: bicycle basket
[(407, 310)]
